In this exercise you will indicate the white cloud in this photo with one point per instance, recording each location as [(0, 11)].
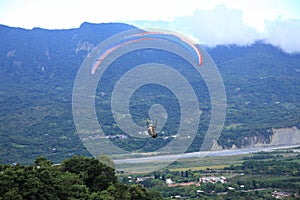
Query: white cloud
[(211, 27), (223, 25), (218, 26), (284, 33)]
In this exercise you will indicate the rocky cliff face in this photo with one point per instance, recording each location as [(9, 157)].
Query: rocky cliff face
[(277, 137), (257, 140), (285, 136)]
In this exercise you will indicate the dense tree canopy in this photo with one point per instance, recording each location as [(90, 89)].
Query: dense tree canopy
[(75, 178)]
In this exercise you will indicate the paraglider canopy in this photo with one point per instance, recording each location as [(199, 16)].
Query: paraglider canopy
[(185, 43)]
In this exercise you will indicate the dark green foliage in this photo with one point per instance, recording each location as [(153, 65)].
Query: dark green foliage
[(40, 182), (96, 175), (274, 167), (75, 178)]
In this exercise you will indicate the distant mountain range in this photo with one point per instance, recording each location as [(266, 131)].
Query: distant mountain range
[(38, 68)]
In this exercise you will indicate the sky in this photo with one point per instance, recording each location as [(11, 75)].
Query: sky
[(211, 22)]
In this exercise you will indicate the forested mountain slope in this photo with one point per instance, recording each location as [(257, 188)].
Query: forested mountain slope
[(38, 68)]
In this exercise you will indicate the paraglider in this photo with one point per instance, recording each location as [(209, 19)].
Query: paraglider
[(151, 129), (166, 41), (179, 40)]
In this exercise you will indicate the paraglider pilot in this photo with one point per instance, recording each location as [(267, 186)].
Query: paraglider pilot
[(151, 129)]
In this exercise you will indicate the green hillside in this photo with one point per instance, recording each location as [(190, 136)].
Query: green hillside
[(38, 69)]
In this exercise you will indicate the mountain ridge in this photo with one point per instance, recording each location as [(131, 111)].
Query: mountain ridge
[(38, 69)]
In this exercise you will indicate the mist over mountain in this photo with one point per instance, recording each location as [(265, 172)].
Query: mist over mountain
[(38, 68), (224, 25)]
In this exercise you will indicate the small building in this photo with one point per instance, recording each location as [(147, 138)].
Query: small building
[(280, 195), (169, 181), (184, 184), (213, 179)]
